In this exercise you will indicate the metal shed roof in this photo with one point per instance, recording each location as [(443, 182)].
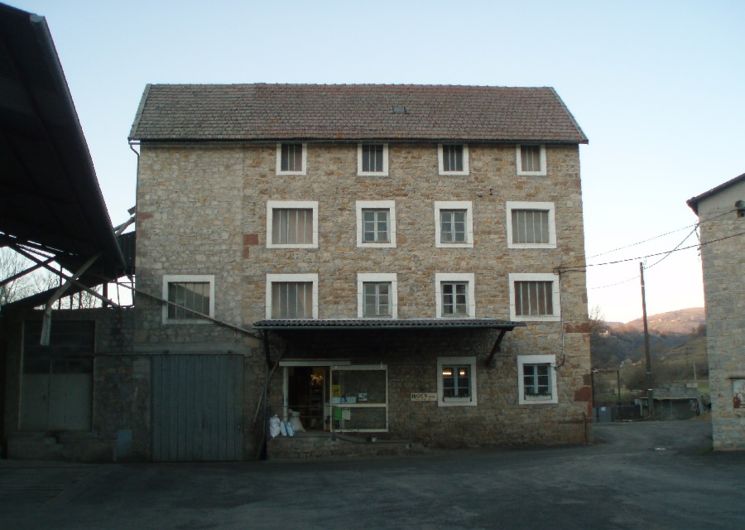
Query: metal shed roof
[(49, 196), (370, 324)]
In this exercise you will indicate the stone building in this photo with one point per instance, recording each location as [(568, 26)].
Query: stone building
[(721, 212), (375, 261)]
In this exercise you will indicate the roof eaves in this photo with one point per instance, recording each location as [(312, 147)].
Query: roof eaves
[(693, 201), (582, 137), (138, 115)]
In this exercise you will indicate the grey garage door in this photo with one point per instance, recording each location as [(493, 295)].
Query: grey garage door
[(197, 407)]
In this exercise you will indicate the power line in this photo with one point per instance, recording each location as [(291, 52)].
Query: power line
[(636, 277), (582, 268), (663, 258), (637, 243)]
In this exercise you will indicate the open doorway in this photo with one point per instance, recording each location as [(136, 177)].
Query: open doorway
[(307, 393)]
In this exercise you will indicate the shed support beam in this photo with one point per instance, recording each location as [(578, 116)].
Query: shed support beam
[(46, 325), (72, 279), (496, 348)]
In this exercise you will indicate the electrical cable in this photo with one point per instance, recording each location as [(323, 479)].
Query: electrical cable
[(636, 277), (583, 268), (637, 243)]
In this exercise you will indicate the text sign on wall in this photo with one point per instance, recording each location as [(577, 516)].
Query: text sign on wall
[(424, 396)]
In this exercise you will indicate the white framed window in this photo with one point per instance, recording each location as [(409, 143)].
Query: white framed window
[(531, 225), (372, 160), (377, 295), (534, 296), (292, 158), (456, 381), (454, 295), (531, 160), (453, 224), (291, 296), (536, 379), (195, 292), (376, 224), (292, 224), (452, 159)]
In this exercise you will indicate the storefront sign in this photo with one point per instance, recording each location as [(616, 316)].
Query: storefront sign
[(424, 396)]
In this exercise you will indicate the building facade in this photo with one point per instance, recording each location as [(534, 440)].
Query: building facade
[(398, 248), (721, 212)]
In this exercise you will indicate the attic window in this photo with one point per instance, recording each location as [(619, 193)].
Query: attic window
[(400, 109)]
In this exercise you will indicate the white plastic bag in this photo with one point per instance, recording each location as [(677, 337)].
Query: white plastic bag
[(297, 425), (274, 426)]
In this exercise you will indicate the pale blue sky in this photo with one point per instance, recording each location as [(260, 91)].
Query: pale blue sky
[(657, 87)]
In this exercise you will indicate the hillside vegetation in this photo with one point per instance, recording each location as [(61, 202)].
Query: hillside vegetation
[(677, 343)]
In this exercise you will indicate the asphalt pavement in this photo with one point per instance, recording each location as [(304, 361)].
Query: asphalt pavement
[(636, 475)]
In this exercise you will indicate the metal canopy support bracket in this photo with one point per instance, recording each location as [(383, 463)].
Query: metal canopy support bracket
[(46, 325), (496, 348)]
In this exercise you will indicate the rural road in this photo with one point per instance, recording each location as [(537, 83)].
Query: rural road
[(636, 475)]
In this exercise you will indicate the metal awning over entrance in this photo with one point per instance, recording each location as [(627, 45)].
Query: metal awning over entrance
[(393, 324), (373, 323)]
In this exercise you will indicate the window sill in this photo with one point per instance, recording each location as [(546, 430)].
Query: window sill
[(454, 245), (456, 402), (372, 174), (530, 246), (536, 401), (304, 245), (376, 245), (454, 173), (553, 318), (290, 173), (531, 173)]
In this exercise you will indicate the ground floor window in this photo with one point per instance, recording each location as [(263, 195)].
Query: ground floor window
[(336, 396), (456, 381), (359, 398), (57, 380), (537, 379)]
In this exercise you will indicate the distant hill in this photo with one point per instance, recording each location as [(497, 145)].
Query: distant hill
[(671, 335), (682, 322)]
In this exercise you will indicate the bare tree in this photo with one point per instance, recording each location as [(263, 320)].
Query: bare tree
[(12, 263)]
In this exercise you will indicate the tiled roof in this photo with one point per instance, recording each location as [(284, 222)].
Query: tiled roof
[(419, 323), (256, 112)]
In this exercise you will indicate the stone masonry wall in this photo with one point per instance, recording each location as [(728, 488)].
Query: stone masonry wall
[(202, 210), (724, 288)]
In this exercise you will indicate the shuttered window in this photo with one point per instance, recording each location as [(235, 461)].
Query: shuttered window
[(189, 295), (452, 158), (530, 157), (292, 300), (292, 226), (291, 158), (372, 158), (534, 298), (530, 226)]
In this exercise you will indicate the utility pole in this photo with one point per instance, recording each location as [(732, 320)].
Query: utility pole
[(647, 358)]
